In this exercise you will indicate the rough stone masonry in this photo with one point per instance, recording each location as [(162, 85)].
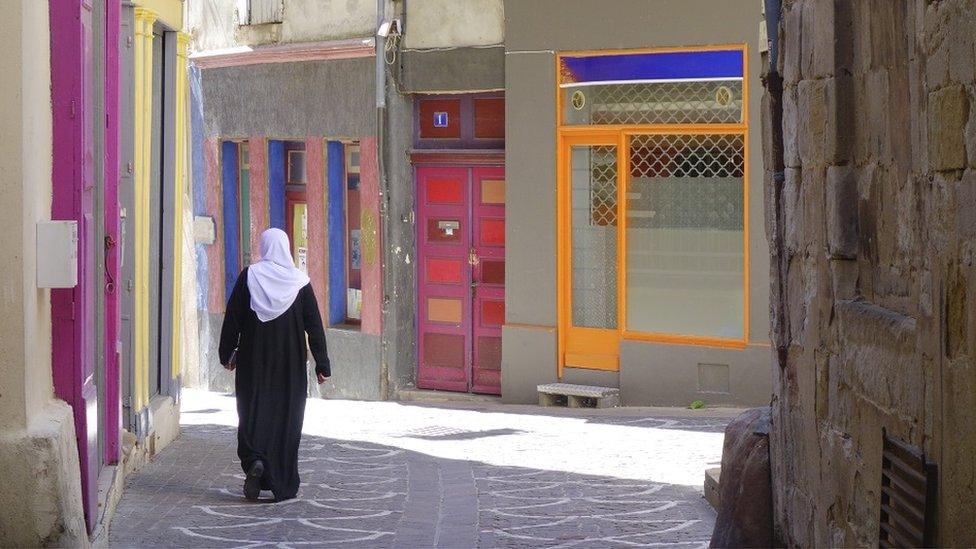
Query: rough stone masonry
[(879, 220)]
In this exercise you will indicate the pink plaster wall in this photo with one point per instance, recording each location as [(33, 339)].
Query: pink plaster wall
[(258, 156), (317, 243), (215, 259)]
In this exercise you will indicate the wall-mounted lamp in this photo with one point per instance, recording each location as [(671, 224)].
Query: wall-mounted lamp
[(388, 27)]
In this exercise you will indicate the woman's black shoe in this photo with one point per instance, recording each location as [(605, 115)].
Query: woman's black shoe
[(252, 484)]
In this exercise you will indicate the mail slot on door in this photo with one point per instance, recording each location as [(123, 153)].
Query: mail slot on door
[(449, 226)]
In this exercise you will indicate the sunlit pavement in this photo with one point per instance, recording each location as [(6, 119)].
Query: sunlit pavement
[(386, 474)]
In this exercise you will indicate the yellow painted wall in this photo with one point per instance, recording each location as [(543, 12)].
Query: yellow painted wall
[(144, 20), (169, 13)]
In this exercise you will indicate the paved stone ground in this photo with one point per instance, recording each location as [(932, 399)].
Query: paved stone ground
[(398, 475)]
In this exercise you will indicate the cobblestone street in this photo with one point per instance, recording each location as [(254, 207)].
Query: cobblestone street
[(383, 474)]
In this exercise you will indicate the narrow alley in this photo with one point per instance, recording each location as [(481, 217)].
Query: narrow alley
[(488, 273), (385, 474)]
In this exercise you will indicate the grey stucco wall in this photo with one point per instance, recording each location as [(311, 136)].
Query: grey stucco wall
[(454, 70), (530, 192), (355, 360), (399, 272), (333, 98), (453, 23), (676, 375), (535, 31), (567, 25), (528, 359)]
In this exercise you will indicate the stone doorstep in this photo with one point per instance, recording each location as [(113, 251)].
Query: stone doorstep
[(713, 492), (425, 395), (578, 396)]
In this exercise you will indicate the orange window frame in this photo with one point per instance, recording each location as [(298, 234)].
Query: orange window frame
[(619, 135)]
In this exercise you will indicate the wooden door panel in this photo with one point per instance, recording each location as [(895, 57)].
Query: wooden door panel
[(444, 279), (488, 211)]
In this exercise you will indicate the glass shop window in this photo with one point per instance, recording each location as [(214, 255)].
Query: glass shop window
[(295, 168), (353, 235), (244, 202), (676, 213)]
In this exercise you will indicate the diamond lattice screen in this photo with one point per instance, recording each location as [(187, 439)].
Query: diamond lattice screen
[(603, 186), (709, 102), (714, 201)]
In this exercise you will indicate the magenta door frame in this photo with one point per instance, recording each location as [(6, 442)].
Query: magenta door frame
[(73, 186), (112, 379)]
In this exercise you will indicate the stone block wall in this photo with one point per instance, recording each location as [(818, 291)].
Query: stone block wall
[(872, 280)]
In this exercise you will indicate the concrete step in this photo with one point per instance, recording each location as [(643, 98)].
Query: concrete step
[(712, 487), (425, 395), (578, 396)]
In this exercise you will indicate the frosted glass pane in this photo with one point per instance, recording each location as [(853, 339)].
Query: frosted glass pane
[(594, 236), (685, 262)]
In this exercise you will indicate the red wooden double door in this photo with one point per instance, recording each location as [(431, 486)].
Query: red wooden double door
[(461, 277)]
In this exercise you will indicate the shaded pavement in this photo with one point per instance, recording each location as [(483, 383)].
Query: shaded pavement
[(386, 474)]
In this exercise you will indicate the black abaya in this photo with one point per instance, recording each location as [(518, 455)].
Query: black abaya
[(271, 382)]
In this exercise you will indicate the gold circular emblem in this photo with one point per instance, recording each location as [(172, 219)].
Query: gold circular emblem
[(578, 99), (723, 96)]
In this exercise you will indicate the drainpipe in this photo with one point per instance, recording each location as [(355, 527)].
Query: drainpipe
[(774, 85), (383, 190)]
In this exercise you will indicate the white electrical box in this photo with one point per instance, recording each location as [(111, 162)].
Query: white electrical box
[(57, 254), (204, 229)]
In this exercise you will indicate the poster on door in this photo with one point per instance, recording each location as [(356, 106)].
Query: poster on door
[(355, 249), (302, 259)]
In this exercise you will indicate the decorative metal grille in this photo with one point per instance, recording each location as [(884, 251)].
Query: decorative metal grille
[(660, 195), (710, 102), (603, 186)]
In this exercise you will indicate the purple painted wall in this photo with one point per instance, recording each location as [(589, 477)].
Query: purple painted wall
[(113, 419), (73, 310)]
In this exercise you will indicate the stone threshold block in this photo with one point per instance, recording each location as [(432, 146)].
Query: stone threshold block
[(578, 396)]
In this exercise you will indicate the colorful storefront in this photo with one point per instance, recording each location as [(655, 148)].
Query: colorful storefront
[(118, 172), (313, 173), (634, 212)]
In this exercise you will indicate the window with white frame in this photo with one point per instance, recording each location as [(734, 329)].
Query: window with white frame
[(259, 12)]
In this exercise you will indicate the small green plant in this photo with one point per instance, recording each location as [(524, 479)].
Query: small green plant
[(697, 405)]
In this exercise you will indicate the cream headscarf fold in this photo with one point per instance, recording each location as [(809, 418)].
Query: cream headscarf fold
[(274, 281)]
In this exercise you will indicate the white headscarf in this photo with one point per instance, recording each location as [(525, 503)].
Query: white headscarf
[(274, 281)]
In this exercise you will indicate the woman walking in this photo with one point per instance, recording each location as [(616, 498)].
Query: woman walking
[(269, 313)]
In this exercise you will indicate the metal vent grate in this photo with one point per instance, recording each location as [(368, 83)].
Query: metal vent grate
[(908, 486)]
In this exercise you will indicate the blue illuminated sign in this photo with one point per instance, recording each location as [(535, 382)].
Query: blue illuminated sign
[(440, 119)]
